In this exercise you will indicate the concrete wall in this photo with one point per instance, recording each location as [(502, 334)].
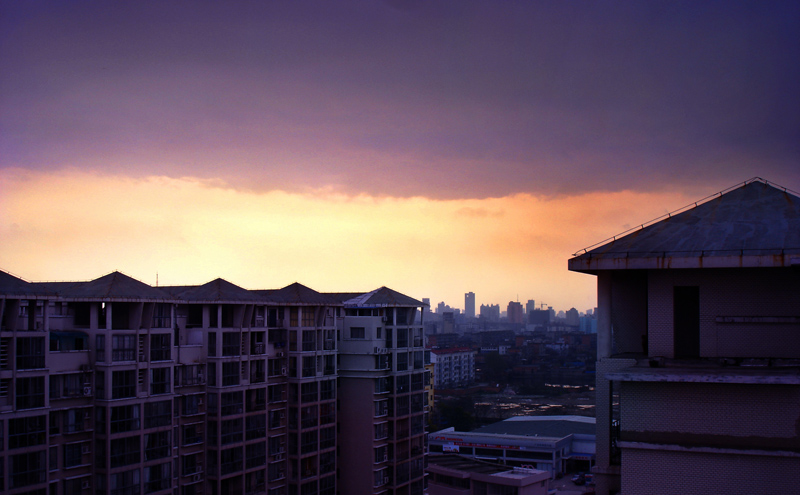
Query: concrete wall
[(649, 472), (710, 414), (741, 292)]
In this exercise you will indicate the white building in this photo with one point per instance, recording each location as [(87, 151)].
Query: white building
[(453, 367)]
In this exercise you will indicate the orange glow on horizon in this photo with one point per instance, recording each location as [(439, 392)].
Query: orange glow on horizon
[(191, 231)]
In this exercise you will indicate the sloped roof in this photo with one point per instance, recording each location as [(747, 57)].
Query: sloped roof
[(297, 294), (754, 224), (383, 297), (217, 290), (115, 285), (11, 285)]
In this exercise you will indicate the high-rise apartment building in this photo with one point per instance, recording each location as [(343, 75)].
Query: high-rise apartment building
[(114, 387), (469, 304), (698, 351), (514, 312), (529, 306)]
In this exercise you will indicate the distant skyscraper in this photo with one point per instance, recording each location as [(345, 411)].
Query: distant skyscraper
[(515, 312), (530, 306), (469, 304), (490, 311)]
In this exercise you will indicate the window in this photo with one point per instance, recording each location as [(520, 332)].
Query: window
[(308, 317), (231, 460), (309, 338), (30, 353), (231, 431), (256, 454), (100, 348), (308, 392), (309, 366), (357, 333), (191, 404), (26, 432), (256, 426), (258, 371), (123, 348), (73, 420), (123, 384), (327, 438), (159, 381), (125, 451), (30, 392), (230, 343), (257, 400), (125, 483), (232, 403), (160, 347), (27, 469), (212, 344), (192, 434), (125, 418), (157, 445), (190, 464), (73, 454), (158, 414), (402, 361), (308, 442), (157, 478), (230, 374), (327, 413), (68, 385)]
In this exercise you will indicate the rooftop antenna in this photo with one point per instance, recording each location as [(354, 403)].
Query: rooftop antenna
[(156, 279)]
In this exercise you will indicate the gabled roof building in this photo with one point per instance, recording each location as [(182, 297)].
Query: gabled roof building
[(114, 387), (698, 366)]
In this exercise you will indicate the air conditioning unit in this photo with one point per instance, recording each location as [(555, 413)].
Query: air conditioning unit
[(87, 391), (385, 480), (200, 402), (85, 484), (279, 457), (196, 477), (87, 415), (283, 415), (142, 358), (85, 449), (280, 354), (385, 457)]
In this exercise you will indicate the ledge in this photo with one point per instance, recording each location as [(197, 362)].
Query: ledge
[(706, 450), (740, 375)]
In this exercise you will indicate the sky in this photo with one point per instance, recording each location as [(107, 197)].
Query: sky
[(434, 147)]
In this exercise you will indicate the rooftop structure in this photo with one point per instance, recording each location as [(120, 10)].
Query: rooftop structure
[(699, 347)]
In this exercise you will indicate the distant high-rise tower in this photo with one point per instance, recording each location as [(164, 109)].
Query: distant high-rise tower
[(469, 304), (529, 306), (514, 312)]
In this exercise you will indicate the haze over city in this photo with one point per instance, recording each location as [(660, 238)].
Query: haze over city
[(432, 147)]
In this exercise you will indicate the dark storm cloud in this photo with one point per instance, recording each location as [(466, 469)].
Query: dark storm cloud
[(444, 99)]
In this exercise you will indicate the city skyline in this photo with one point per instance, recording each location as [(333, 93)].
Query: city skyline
[(432, 147)]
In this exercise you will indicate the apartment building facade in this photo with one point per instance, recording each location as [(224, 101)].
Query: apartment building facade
[(114, 387), (453, 367), (698, 371)]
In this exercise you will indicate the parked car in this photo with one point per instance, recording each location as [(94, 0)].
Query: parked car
[(579, 479)]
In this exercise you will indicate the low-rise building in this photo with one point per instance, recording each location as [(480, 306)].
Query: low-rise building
[(450, 474), (554, 444)]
